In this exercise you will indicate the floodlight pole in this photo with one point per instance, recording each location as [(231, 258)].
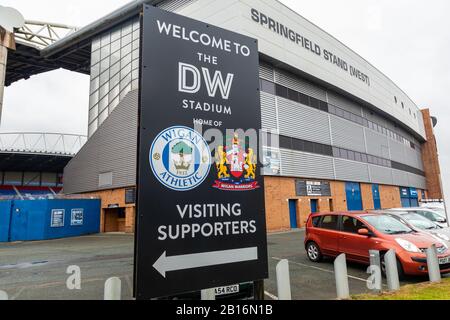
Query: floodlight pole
[(6, 42)]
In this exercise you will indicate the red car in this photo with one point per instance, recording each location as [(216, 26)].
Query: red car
[(355, 233)]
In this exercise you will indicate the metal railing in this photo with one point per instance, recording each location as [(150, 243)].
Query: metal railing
[(45, 143), (42, 34)]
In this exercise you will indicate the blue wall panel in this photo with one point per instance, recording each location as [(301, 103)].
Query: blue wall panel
[(5, 216), (52, 219)]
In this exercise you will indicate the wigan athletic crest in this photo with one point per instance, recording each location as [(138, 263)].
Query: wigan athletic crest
[(180, 158), (236, 167)]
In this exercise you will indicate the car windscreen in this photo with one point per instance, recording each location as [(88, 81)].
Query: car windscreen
[(419, 222), (387, 224)]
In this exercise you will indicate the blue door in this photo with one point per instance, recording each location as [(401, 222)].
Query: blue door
[(376, 197), (353, 193), (293, 213), (314, 206), (19, 223)]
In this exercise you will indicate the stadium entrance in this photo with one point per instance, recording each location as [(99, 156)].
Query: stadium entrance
[(114, 220)]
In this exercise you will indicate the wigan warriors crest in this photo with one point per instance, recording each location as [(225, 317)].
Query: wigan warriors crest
[(236, 167)]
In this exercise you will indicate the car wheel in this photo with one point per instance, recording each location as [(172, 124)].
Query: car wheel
[(313, 251), (401, 273)]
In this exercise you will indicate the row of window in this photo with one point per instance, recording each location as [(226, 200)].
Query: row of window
[(403, 107), (404, 167), (31, 179), (287, 93), (360, 157), (327, 150)]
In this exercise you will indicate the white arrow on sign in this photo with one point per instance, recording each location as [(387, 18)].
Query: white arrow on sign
[(197, 260)]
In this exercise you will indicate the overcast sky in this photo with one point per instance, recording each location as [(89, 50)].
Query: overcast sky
[(408, 40)]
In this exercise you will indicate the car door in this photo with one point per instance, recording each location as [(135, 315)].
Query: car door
[(327, 234), (355, 246)]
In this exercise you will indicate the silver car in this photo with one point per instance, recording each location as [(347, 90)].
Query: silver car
[(426, 213), (418, 222)]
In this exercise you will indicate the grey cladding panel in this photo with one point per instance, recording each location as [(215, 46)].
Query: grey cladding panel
[(346, 134), (268, 112), (417, 181), (174, 5), (266, 71), (300, 164), (296, 120), (351, 171), (400, 178), (377, 144), (344, 103), (112, 148), (397, 151), (381, 175), (299, 84)]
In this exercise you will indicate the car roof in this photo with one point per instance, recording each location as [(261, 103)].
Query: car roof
[(347, 213)]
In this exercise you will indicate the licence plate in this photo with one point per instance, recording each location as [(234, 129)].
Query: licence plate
[(220, 291), (444, 260)]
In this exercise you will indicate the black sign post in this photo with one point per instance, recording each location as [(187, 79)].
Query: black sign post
[(200, 201)]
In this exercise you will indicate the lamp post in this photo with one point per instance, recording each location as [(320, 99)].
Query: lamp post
[(10, 19)]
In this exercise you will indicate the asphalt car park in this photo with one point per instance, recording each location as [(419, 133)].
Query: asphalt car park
[(38, 270)]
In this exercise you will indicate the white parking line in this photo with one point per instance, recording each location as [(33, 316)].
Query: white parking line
[(320, 269), (271, 296)]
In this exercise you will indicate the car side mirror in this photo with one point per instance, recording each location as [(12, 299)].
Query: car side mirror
[(364, 232)]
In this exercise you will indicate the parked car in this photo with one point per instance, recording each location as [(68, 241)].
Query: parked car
[(355, 233), (419, 222), (426, 213)]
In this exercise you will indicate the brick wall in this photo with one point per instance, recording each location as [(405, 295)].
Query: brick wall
[(278, 190), (431, 159), (116, 197)]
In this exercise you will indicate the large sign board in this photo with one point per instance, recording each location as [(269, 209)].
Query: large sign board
[(313, 188), (200, 197)]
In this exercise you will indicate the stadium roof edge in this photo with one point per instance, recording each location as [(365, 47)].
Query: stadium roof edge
[(121, 14)]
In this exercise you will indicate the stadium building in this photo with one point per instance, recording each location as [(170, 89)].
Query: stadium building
[(349, 138)]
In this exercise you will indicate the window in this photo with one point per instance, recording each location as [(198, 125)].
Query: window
[(315, 103), (343, 153), (403, 105), (298, 144), (285, 142), (329, 222), (364, 158), (352, 225), (281, 91), (304, 99), (323, 106), (267, 86), (316, 221), (336, 152), (292, 95), (395, 99), (351, 155), (309, 147)]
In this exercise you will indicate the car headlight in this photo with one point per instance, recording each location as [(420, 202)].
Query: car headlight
[(443, 236), (408, 246)]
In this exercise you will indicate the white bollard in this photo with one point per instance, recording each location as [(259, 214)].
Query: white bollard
[(113, 289), (283, 280), (390, 262), (340, 273), (3, 295), (434, 272), (208, 294)]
